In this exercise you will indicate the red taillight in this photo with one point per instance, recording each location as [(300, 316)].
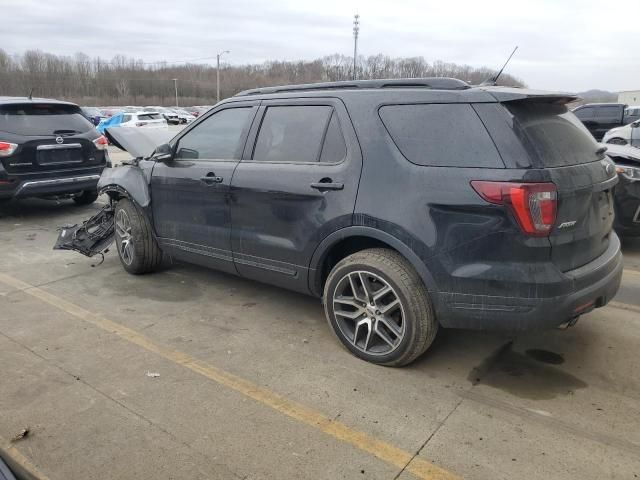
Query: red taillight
[(533, 204), (7, 148), (101, 142)]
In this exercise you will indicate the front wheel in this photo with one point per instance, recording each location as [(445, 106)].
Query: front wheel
[(379, 308), (137, 248)]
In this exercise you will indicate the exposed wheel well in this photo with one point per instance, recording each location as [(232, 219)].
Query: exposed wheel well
[(346, 247)]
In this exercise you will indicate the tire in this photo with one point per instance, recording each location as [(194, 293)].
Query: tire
[(137, 248), (87, 197), (361, 326), (617, 141)]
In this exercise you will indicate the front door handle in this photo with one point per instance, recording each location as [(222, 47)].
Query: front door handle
[(211, 178), (324, 185)]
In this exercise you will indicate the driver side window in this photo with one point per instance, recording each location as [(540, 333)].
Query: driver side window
[(216, 138)]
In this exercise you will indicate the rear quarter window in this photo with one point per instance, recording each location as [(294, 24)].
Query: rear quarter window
[(440, 135), (552, 134)]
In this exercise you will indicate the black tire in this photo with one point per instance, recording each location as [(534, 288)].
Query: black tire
[(143, 254), (87, 197), (387, 266), (617, 141)]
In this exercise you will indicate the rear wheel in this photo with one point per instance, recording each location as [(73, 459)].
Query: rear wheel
[(86, 197), (137, 248), (379, 308)]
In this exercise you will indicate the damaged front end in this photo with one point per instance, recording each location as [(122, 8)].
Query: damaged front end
[(129, 180), (92, 237)]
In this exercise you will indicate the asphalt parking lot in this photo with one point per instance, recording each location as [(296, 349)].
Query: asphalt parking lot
[(190, 373)]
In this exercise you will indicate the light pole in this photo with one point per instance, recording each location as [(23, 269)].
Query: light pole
[(356, 30), (218, 74), (175, 85)]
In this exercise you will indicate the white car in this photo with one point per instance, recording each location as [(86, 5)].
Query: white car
[(626, 135), (143, 119), (184, 116)]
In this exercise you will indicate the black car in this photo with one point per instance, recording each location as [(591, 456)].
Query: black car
[(407, 205), (627, 192), (48, 149), (602, 117)]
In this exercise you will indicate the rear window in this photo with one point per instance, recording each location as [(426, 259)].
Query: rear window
[(441, 135), (42, 119), (149, 116), (553, 134)]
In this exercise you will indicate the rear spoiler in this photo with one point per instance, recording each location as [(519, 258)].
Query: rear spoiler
[(510, 94)]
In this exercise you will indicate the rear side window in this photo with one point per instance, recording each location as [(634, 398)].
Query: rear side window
[(218, 137), (553, 134), (334, 148), (441, 135), (608, 112), (292, 133), (42, 119), (585, 113)]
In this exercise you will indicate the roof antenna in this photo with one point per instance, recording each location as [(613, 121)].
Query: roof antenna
[(492, 81), (30, 97)]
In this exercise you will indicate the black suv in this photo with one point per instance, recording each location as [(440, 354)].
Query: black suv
[(48, 148), (405, 204)]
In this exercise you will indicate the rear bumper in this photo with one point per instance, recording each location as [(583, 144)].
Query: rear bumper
[(58, 185), (590, 286)]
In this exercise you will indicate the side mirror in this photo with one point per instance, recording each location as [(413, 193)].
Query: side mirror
[(162, 153)]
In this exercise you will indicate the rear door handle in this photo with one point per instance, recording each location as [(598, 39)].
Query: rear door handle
[(327, 186), (211, 179)]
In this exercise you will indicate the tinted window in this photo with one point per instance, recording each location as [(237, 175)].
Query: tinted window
[(334, 148), (584, 113), (553, 134), (608, 112), (217, 137), (150, 116), (292, 134), (441, 135), (42, 119)]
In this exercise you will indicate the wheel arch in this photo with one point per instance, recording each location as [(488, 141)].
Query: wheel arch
[(352, 239)]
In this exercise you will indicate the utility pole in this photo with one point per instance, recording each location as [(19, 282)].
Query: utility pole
[(356, 30), (175, 85), (218, 74)]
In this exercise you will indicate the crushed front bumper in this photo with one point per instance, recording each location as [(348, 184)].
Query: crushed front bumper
[(93, 236)]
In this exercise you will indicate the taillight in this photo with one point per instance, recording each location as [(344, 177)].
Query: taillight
[(533, 204), (7, 149), (101, 142)]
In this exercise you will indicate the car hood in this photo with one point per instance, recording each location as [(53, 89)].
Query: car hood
[(624, 151), (139, 142)]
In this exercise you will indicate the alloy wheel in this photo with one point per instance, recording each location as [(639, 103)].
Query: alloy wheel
[(124, 239), (369, 313)]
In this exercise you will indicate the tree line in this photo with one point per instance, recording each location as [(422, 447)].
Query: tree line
[(128, 81)]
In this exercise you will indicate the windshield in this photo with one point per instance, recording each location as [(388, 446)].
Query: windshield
[(42, 119), (554, 134)]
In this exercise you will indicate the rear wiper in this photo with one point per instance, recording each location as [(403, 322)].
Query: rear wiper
[(65, 132)]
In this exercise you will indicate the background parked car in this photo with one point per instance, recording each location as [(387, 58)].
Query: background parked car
[(627, 135), (170, 116), (627, 192), (184, 116), (93, 114), (602, 117), (143, 119), (48, 148)]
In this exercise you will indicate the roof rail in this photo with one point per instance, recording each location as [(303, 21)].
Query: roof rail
[(436, 83)]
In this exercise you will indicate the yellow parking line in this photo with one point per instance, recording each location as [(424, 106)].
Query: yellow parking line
[(380, 449), (19, 464)]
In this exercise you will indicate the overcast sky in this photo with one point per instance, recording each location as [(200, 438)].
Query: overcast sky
[(570, 45)]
